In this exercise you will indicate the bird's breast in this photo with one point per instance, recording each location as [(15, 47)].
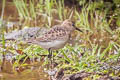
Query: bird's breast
[(54, 45)]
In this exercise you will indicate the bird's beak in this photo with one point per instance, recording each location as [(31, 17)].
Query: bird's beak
[(78, 29)]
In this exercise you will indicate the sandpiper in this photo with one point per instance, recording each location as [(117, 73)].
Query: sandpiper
[(56, 37)]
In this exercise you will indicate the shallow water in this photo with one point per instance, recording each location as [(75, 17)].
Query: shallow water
[(26, 75), (34, 72), (8, 72)]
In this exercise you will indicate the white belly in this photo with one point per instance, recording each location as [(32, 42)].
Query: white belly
[(55, 44)]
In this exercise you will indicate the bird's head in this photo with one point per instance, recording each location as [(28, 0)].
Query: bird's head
[(69, 25)]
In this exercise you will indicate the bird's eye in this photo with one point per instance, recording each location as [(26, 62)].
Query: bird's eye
[(73, 24)]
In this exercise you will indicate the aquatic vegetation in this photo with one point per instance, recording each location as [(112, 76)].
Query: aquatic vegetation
[(96, 50)]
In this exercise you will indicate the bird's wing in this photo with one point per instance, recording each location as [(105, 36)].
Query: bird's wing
[(55, 33)]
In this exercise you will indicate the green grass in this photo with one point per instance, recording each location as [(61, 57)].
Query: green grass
[(99, 42)]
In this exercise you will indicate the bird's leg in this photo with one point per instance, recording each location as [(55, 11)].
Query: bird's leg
[(50, 56), (50, 53)]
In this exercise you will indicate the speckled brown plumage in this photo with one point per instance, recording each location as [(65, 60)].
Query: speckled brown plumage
[(56, 37), (54, 34)]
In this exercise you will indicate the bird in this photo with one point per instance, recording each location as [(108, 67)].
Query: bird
[(57, 37)]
